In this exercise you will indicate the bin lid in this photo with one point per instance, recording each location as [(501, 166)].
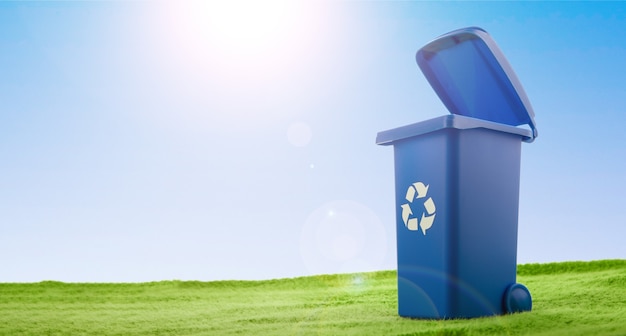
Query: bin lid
[(472, 77)]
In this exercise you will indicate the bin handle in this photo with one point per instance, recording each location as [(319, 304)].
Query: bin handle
[(535, 133)]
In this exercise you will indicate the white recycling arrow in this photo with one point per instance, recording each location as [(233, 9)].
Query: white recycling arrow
[(412, 224), (426, 222), (406, 212), (429, 205), (422, 189), (410, 194)]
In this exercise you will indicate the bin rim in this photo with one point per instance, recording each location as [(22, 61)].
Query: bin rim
[(500, 71), (454, 121)]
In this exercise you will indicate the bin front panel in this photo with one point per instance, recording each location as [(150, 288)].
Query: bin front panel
[(459, 262), (420, 163)]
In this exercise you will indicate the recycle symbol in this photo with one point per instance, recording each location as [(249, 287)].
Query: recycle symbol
[(417, 192)]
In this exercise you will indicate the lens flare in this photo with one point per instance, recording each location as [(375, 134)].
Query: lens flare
[(343, 237)]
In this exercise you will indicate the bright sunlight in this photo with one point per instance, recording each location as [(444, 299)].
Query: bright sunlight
[(263, 32), (246, 25), (233, 49)]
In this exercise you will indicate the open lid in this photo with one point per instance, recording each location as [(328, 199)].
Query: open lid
[(472, 77)]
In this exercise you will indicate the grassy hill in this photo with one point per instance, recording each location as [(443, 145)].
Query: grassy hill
[(571, 298)]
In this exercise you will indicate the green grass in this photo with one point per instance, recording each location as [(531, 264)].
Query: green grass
[(572, 298)]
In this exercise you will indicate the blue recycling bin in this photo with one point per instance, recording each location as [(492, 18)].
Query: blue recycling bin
[(457, 185)]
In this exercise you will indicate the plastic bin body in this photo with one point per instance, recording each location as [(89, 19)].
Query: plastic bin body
[(462, 265), (457, 184)]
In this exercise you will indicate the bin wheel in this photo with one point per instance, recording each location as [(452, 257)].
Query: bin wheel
[(517, 299)]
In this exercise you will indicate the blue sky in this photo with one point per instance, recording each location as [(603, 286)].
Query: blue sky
[(145, 141)]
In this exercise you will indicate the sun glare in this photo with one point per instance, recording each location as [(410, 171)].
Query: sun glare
[(221, 51), (236, 28), (244, 40), (248, 24)]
